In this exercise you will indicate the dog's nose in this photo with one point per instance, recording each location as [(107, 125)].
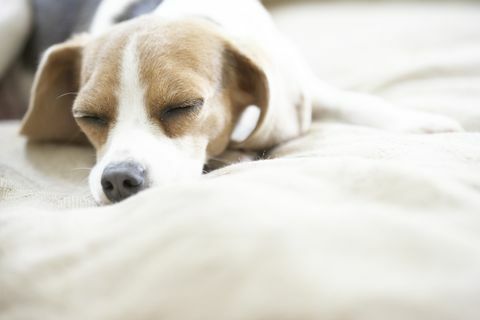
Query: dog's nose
[(122, 180)]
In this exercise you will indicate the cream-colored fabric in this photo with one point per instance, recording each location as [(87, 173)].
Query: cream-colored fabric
[(419, 55), (344, 223)]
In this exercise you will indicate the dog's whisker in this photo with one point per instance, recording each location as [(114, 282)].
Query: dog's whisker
[(66, 94), (84, 180)]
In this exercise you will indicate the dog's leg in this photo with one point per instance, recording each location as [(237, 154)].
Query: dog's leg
[(364, 109)]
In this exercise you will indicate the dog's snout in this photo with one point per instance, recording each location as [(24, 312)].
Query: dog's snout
[(122, 180)]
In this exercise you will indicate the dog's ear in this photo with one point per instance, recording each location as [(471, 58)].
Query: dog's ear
[(248, 90), (49, 116)]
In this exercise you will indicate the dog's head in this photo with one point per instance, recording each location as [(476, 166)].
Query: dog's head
[(155, 98)]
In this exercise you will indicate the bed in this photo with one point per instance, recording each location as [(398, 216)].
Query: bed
[(346, 222)]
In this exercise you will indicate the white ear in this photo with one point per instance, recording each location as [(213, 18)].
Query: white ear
[(246, 124)]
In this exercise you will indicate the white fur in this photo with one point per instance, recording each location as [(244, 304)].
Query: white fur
[(135, 138)]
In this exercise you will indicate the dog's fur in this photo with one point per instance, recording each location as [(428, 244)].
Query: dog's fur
[(179, 86)]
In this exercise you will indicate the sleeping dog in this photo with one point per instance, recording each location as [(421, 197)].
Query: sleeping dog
[(160, 94)]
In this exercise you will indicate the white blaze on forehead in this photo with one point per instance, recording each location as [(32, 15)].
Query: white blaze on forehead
[(131, 94), (129, 133)]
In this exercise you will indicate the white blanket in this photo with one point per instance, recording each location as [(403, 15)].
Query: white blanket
[(344, 223)]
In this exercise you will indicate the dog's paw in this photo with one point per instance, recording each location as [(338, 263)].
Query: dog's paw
[(427, 123)]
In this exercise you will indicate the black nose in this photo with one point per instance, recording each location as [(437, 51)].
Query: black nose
[(122, 180)]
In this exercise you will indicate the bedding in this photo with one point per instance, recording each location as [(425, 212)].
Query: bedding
[(346, 222)]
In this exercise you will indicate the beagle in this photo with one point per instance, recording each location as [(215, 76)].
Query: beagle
[(160, 94)]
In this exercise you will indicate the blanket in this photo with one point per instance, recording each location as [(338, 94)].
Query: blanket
[(345, 222)]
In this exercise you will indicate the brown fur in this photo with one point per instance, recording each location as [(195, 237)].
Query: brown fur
[(100, 81)]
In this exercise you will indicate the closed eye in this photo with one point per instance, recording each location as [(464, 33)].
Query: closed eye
[(184, 108), (91, 118)]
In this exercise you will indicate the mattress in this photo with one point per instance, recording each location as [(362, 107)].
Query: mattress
[(346, 222)]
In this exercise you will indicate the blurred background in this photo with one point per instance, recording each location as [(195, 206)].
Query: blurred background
[(379, 46)]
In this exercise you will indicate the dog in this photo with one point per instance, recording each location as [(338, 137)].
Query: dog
[(164, 91)]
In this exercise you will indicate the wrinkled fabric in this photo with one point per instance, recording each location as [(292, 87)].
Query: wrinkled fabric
[(346, 222)]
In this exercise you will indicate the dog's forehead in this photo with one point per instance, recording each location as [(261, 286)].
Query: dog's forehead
[(162, 47)]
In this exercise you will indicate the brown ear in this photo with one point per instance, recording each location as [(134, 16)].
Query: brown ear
[(248, 86), (49, 116)]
